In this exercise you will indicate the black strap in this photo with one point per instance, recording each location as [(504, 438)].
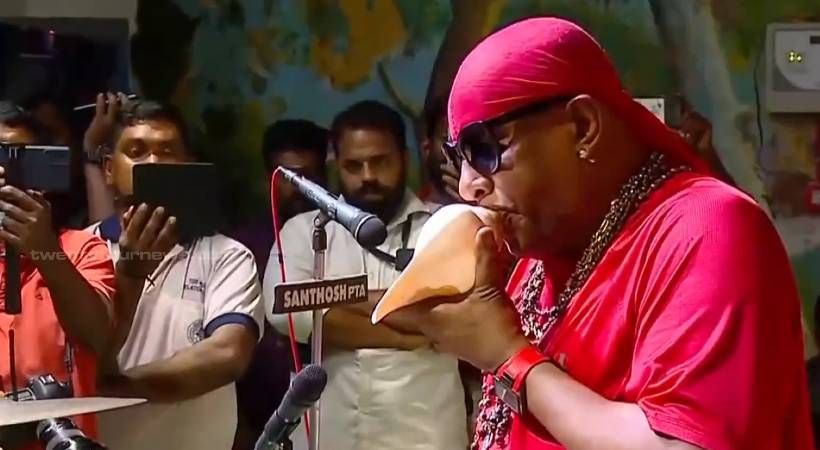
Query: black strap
[(406, 229), (384, 256)]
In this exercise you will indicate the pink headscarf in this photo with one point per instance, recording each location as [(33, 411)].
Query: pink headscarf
[(546, 57)]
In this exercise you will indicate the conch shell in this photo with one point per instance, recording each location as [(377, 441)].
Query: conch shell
[(444, 261)]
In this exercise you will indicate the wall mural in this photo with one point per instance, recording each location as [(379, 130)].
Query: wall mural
[(237, 65)]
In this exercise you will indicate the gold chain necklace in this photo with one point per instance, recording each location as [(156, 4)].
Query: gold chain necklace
[(494, 416)]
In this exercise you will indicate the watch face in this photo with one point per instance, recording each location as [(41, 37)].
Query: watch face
[(508, 396), (96, 154)]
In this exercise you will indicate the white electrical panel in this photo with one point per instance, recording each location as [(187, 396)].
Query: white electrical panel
[(793, 67), (668, 109)]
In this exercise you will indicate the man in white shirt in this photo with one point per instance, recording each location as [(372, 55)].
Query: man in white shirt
[(387, 389), (187, 323), (442, 190)]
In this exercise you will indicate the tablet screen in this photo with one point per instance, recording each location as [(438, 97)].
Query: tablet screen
[(189, 191)]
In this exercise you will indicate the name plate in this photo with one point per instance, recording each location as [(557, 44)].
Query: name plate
[(312, 295)]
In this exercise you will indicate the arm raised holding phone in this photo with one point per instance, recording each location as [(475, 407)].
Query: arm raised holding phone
[(97, 138), (83, 310), (147, 237), (188, 308)]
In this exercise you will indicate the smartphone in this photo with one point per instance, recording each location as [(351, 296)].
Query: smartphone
[(189, 192), (45, 168)]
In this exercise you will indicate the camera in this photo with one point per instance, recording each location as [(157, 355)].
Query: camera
[(60, 433), (40, 167)]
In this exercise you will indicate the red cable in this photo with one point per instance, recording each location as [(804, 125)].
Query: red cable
[(294, 349)]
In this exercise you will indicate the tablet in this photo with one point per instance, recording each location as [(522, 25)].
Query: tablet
[(188, 191)]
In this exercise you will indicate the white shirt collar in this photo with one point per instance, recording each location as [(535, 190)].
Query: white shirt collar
[(410, 206)]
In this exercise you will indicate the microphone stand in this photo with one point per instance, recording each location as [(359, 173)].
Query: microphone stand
[(284, 444), (319, 244), (13, 306), (13, 301), (12, 276)]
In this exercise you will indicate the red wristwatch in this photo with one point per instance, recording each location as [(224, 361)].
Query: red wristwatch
[(510, 377)]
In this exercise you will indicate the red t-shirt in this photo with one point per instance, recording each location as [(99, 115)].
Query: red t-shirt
[(41, 345), (692, 314)]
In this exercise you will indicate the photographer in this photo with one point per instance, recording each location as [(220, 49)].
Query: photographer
[(67, 285), (188, 314)]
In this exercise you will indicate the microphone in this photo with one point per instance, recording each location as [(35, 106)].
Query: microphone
[(368, 230), (304, 391)]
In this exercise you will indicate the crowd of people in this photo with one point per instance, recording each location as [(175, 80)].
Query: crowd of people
[(184, 326), (133, 311)]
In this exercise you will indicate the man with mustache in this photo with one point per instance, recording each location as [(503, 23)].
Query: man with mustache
[(655, 307), (387, 389), (188, 313)]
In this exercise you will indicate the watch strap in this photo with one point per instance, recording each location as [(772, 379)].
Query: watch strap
[(95, 155), (511, 376)]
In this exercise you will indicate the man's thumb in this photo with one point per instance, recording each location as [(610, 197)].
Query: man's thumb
[(126, 217), (487, 249)]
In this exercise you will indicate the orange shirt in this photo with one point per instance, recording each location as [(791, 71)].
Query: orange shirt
[(41, 346)]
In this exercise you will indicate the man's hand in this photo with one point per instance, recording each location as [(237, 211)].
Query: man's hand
[(26, 222), (101, 130), (697, 131), (481, 328), (84, 312), (410, 342), (349, 327), (146, 239), (449, 177)]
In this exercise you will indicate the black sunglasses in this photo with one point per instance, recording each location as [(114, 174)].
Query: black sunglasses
[(479, 145)]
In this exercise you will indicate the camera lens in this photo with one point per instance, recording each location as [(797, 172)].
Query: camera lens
[(62, 434)]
